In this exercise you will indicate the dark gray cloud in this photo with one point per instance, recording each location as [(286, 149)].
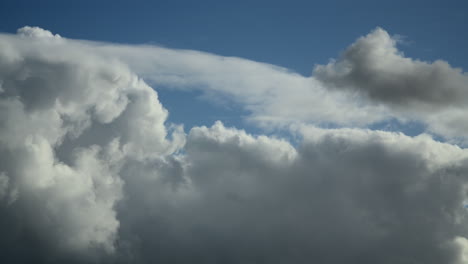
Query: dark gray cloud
[(434, 94), (373, 65), (91, 173)]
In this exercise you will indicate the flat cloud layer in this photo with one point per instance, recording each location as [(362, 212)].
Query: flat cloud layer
[(90, 171)]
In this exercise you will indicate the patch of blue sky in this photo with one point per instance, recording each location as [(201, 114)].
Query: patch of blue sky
[(409, 128), (192, 108), (295, 34)]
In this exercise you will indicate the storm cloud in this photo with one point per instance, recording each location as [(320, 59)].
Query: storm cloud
[(92, 172)]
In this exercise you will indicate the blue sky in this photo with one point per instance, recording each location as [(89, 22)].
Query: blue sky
[(292, 34)]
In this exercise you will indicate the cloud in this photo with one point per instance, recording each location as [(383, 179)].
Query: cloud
[(36, 32), (69, 120), (375, 66), (343, 195), (270, 94), (3, 185), (91, 172), (434, 93)]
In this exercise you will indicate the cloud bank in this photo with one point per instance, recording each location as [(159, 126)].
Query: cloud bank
[(92, 172)]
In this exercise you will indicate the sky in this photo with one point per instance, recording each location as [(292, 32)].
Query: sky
[(233, 132)]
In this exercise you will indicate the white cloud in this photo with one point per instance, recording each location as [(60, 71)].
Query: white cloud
[(271, 94), (462, 243), (36, 32), (69, 121)]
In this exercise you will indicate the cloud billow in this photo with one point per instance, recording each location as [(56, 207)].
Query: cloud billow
[(375, 66), (432, 93)]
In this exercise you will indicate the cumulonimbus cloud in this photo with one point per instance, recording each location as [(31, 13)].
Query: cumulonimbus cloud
[(90, 171)]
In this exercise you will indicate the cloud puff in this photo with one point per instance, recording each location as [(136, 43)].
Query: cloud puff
[(375, 66), (36, 32), (69, 119), (91, 173), (434, 93)]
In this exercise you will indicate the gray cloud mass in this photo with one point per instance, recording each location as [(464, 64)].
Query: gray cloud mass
[(375, 66), (432, 93), (92, 172)]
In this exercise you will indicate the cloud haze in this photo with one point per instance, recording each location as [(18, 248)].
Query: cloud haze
[(92, 172)]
